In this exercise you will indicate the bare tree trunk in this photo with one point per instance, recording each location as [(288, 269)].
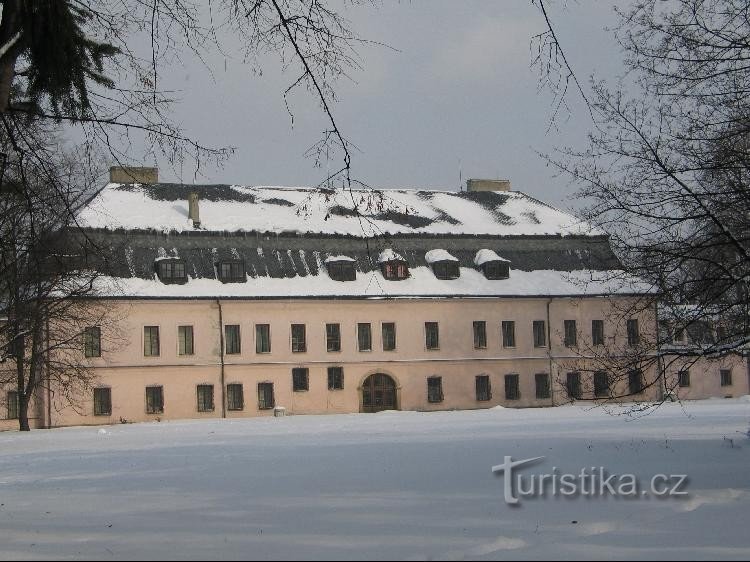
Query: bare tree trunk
[(23, 412)]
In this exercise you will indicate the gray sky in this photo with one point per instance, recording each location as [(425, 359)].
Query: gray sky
[(458, 92)]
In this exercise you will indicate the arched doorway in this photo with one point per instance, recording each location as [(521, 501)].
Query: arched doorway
[(379, 393)]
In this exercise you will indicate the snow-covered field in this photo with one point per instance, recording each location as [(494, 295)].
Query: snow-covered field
[(389, 485)]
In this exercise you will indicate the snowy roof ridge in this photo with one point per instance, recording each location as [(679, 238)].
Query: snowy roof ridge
[(238, 208)]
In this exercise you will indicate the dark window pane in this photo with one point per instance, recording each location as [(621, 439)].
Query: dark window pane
[(726, 377), (13, 405), (232, 271), (597, 332), (262, 338), (571, 333), (335, 378), (573, 385), (205, 398), (684, 378), (394, 270), (432, 336), (480, 334), (446, 270), (333, 337), (171, 271), (389, 336), (635, 382), (435, 389), (232, 337), (364, 337), (634, 336), (299, 341), (496, 270), (235, 397), (151, 341), (300, 379), (509, 333), (542, 386), (185, 340), (512, 389), (102, 401), (92, 338), (484, 391), (265, 396), (154, 400), (540, 333), (601, 384), (342, 271)]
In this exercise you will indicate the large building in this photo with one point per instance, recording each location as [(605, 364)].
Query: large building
[(235, 301)]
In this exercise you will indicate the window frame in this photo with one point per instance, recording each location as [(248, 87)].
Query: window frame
[(435, 393), (261, 338), (237, 271), (360, 348), (205, 403), (573, 386), (335, 378), (479, 330), (342, 270), (602, 391), (165, 271), (151, 330), (263, 388), (683, 378), (92, 342), (232, 397), (597, 332), (508, 331), (725, 377), (432, 336), (539, 333), (512, 387), (636, 386), (496, 270), (236, 329), (486, 391), (182, 340), (150, 409), (633, 330), (392, 328), (570, 338), (298, 345), (300, 375), (97, 402), (446, 270), (395, 270), (543, 391), (333, 337), (13, 403)]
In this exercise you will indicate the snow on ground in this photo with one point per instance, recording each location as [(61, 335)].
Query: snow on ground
[(390, 485)]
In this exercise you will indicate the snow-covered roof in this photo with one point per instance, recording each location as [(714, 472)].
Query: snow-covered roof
[(421, 284), (389, 255), (484, 255), (237, 208), (333, 259), (439, 255)]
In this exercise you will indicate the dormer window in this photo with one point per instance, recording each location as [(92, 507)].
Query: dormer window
[(171, 271), (341, 268), (393, 266), (444, 265), (231, 271), (492, 265)]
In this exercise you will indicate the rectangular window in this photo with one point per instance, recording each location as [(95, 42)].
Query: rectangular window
[(102, 401), (389, 336), (434, 389), (154, 400), (151, 341), (431, 335), (512, 389), (300, 379), (726, 377), (333, 337), (364, 336), (634, 336), (601, 384), (480, 334), (683, 379), (299, 339), (235, 397), (335, 378), (573, 386), (13, 405), (635, 382), (232, 339), (509, 333), (262, 338), (540, 333), (542, 386), (92, 342), (571, 333), (265, 396), (185, 340), (484, 391), (205, 398), (232, 271), (597, 332)]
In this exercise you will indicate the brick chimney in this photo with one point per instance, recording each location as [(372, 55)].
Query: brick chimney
[(193, 210), (487, 185), (129, 174)]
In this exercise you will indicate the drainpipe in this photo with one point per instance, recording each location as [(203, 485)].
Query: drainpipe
[(49, 389), (549, 354), (221, 355), (659, 360)]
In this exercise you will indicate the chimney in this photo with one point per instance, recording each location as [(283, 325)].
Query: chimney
[(193, 210), (129, 174), (487, 185)]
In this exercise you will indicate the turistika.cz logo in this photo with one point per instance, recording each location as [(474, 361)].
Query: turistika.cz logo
[(589, 482)]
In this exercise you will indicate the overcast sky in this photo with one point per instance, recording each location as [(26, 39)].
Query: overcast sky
[(455, 95)]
